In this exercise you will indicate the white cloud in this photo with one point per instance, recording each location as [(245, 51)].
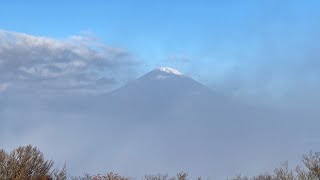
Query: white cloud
[(77, 62)]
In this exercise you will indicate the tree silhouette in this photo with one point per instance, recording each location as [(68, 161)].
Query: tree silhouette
[(27, 162)]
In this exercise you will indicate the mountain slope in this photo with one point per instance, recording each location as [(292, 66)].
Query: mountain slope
[(162, 83), (164, 93)]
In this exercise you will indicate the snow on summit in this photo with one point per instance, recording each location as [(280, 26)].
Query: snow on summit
[(170, 70), (162, 73)]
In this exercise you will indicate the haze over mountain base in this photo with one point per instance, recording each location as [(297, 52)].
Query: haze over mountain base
[(162, 122)]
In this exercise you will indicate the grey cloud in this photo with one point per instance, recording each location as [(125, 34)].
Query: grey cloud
[(75, 62)]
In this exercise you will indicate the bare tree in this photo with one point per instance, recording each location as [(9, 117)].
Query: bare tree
[(312, 163), (283, 173), (108, 176), (182, 176), (27, 162), (156, 177)]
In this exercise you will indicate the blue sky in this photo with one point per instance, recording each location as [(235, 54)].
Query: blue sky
[(203, 30)]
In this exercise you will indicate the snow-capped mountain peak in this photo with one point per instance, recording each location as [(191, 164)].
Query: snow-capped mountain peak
[(170, 70)]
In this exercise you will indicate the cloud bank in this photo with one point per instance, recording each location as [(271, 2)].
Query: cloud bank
[(40, 80), (78, 63)]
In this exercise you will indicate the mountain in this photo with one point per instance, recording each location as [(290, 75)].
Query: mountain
[(164, 92), (185, 125), (163, 81)]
